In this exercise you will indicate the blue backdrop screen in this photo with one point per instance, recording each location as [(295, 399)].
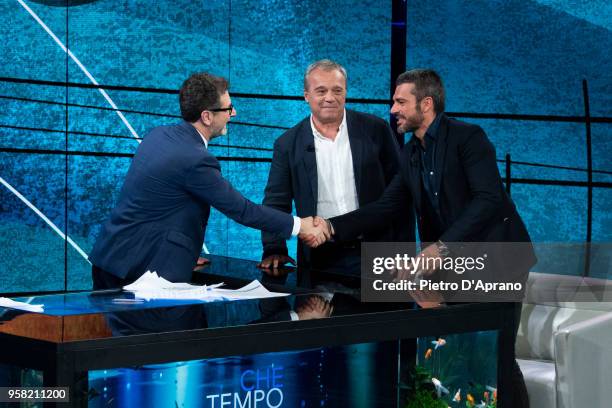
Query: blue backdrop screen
[(519, 57)]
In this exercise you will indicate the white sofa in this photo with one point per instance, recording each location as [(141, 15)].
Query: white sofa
[(564, 343)]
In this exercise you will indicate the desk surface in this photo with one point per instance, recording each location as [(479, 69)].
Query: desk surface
[(79, 316), (87, 331), (83, 316)]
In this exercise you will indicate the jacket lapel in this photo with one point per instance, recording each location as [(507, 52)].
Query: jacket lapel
[(441, 151), (356, 141), (309, 157), (414, 167)]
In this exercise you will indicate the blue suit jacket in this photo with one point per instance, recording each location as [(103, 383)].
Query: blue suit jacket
[(160, 220)]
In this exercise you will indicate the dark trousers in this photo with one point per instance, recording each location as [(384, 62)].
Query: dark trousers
[(521, 399), (334, 262), (106, 280)]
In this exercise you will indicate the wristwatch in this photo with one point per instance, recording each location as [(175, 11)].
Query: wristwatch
[(330, 227)]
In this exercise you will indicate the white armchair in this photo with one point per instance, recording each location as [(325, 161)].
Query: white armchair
[(563, 347)]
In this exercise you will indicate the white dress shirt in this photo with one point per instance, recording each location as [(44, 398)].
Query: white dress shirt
[(337, 193)]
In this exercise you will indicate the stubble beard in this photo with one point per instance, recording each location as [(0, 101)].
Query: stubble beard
[(411, 123)]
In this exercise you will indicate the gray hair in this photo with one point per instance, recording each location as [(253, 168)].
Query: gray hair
[(325, 65)]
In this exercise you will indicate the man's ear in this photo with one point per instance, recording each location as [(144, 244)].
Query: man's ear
[(206, 117), (427, 104)]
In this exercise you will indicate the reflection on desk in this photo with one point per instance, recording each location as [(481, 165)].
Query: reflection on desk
[(113, 313)]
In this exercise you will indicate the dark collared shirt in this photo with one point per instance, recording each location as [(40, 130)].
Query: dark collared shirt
[(428, 170)]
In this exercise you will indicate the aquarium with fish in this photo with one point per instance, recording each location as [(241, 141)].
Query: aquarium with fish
[(458, 370)]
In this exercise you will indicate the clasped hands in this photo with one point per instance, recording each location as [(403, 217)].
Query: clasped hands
[(425, 298), (315, 231), (429, 257)]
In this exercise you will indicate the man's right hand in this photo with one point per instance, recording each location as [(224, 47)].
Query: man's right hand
[(315, 307), (274, 261), (314, 231)]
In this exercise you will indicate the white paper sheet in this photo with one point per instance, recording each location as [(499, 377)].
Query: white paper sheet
[(6, 302), (254, 290), (151, 286)]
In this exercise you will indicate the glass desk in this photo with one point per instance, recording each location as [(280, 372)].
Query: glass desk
[(243, 353)]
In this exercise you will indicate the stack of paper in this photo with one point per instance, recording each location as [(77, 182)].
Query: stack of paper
[(152, 286), (6, 302)]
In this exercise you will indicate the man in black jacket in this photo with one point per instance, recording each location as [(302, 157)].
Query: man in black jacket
[(449, 174), (332, 162)]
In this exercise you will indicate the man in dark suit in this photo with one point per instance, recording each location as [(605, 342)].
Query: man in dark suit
[(160, 220), (332, 162), (449, 172)]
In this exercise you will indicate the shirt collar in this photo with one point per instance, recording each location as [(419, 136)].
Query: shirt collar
[(318, 135), (432, 130), (202, 136)]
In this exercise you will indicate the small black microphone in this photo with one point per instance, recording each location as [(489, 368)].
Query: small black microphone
[(310, 148)]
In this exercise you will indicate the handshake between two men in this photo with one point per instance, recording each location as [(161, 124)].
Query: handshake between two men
[(315, 231)]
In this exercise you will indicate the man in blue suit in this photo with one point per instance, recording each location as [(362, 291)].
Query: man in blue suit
[(160, 220)]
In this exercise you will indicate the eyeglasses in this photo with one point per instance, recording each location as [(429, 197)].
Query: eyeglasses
[(229, 109)]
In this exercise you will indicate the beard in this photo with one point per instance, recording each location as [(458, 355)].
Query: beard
[(218, 132), (410, 123)]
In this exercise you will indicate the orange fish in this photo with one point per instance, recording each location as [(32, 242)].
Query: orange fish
[(428, 353), (470, 400), (486, 395), (493, 390)]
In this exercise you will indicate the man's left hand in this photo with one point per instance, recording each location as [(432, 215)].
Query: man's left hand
[(431, 259), (201, 263)]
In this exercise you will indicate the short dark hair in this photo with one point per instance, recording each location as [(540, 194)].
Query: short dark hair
[(426, 83), (200, 92)]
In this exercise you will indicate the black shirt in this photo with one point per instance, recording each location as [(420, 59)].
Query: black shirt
[(431, 199)]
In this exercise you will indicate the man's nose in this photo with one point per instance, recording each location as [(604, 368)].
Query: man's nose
[(329, 97)]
